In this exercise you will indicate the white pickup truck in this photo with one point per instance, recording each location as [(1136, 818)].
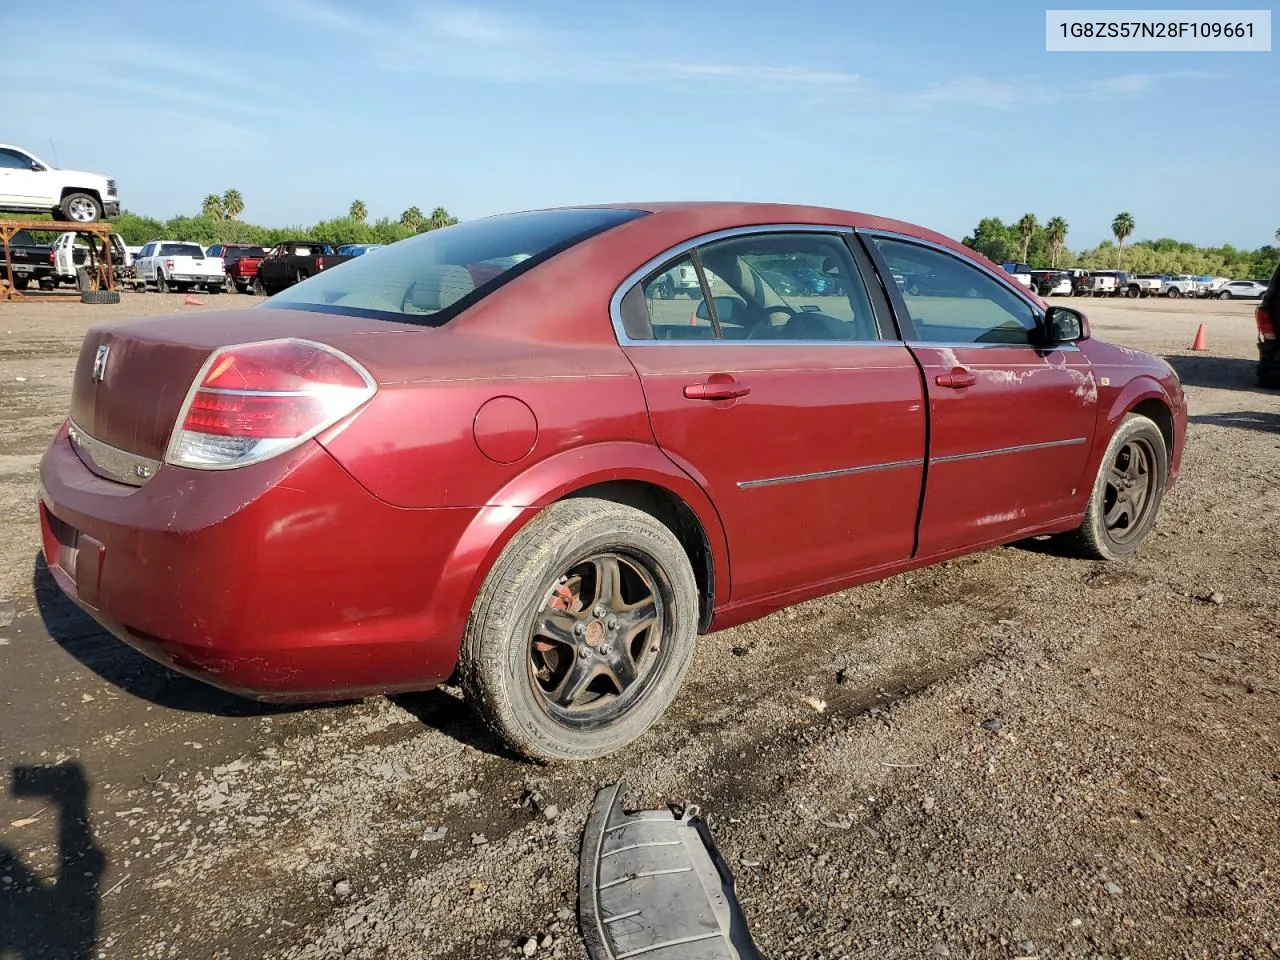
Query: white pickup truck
[(1183, 285), (29, 185), (72, 250), (178, 265), (1143, 285)]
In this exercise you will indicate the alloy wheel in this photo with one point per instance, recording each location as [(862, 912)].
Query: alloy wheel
[(595, 644), (1129, 486)]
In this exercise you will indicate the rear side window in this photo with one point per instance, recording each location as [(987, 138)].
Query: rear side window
[(763, 286), (431, 278)]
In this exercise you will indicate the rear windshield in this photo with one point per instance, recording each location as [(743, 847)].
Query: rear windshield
[(431, 278), (182, 250), (237, 253)]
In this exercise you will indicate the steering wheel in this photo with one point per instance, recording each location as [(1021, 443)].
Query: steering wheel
[(765, 329)]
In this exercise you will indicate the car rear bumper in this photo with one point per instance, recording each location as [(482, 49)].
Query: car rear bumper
[(285, 580), (197, 278)]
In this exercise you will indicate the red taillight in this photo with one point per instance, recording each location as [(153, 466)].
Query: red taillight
[(1266, 326), (168, 264), (255, 400), (319, 263)]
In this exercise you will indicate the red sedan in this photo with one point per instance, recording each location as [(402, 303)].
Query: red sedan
[(504, 448)]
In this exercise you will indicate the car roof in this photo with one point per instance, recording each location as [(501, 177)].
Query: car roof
[(699, 217)]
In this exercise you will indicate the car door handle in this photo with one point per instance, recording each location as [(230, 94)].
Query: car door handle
[(957, 379), (719, 386)]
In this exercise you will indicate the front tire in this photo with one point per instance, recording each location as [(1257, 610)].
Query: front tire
[(1174, 294), (1224, 295), (1126, 492), (582, 632), (80, 208)]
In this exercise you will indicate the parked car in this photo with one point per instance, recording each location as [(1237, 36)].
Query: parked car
[(292, 262), (1052, 283), (1086, 284), (179, 265), (1184, 285), (1267, 316), (1143, 285), (386, 471), (681, 279), (1019, 271), (32, 261), (792, 279), (71, 251), (1242, 290), (1109, 283), (358, 249), (29, 185), (240, 261)]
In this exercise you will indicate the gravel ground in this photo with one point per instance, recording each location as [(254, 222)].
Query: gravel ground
[(1012, 754)]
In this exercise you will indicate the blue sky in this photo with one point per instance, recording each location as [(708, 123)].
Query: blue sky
[(938, 113)]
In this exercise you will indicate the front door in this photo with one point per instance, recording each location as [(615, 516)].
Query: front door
[(19, 184), (805, 426), (1011, 423)]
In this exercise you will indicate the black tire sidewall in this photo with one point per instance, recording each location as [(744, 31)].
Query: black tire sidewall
[(1097, 538), (495, 652)]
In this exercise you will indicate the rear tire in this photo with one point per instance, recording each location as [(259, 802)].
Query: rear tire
[(162, 285), (505, 667), (20, 282), (257, 289), (1174, 294), (1136, 457), (1224, 295)]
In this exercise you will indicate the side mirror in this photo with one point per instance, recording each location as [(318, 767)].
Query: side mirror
[(728, 309), (1064, 325), (36, 167)]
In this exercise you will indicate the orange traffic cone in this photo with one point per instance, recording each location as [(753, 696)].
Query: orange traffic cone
[(192, 301), (1198, 343)]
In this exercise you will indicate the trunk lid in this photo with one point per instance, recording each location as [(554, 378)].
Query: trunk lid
[(150, 365)]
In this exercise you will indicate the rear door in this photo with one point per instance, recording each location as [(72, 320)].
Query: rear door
[(1011, 423), (804, 424)]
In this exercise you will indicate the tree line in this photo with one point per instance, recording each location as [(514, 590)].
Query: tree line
[(1044, 245), (219, 222)]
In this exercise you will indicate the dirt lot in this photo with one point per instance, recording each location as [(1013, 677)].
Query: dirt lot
[(1020, 754)]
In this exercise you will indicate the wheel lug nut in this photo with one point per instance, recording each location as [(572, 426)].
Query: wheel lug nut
[(606, 650), (599, 612), (583, 652), (579, 629), (613, 623)]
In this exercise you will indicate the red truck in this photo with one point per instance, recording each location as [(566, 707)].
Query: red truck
[(241, 261)]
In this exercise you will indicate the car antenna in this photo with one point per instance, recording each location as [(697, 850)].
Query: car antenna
[(54, 151)]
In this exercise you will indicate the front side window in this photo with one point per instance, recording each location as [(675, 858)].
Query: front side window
[(763, 286), (431, 278), (950, 301), (13, 160)]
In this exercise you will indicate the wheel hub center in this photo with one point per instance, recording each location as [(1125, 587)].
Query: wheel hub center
[(595, 633)]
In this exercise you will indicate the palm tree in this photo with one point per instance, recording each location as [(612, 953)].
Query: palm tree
[(1122, 227), (412, 218), (1056, 229), (1027, 227), (440, 218), (212, 207), (232, 203), (1277, 234), (359, 212)]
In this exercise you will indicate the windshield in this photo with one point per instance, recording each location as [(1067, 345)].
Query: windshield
[(431, 278)]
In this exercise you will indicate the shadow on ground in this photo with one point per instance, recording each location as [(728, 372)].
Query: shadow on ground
[(1228, 373), (1241, 420), (453, 717), (56, 917), (119, 664)]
